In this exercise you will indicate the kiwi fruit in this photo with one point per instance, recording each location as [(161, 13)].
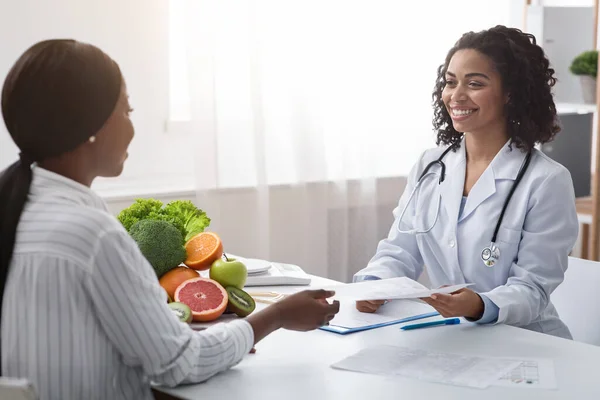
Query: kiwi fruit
[(182, 311), (240, 302)]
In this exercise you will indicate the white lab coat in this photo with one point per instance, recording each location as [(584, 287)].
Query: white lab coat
[(538, 232)]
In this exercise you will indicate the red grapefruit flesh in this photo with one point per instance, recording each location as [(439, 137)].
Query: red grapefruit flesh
[(206, 298)]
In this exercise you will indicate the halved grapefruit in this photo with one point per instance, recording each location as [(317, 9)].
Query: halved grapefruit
[(202, 250), (206, 298)]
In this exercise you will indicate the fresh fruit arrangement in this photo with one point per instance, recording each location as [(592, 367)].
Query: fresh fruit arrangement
[(209, 298), (172, 238)]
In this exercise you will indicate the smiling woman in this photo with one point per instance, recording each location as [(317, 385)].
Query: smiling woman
[(483, 81), (506, 212)]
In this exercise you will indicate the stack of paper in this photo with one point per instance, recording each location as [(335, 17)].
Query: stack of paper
[(388, 289)]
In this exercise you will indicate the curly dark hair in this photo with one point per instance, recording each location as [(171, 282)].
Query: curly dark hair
[(526, 76)]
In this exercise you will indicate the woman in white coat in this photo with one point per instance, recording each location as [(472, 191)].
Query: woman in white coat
[(490, 210)]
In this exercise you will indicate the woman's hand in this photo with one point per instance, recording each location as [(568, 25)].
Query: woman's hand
[(303, 311), (462, 303), (307, 310), (369, 306)]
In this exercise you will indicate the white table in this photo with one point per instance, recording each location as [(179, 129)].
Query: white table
[(296, 366)]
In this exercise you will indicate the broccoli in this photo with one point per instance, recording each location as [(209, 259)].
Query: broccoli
[(183, 214), (160, 242)]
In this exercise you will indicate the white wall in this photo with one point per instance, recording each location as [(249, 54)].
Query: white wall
[(134, 33)]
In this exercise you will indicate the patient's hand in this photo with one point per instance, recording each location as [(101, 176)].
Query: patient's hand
[(369, 306)]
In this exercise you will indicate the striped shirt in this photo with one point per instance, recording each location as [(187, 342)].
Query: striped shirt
[(83, 314)]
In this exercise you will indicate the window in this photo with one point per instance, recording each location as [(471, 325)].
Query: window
[(315, 90)]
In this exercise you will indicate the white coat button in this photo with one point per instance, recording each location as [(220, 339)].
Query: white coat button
[(452, 243)]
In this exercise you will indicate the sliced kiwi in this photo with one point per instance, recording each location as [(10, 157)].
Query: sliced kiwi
[(182, 311), (240, 302)]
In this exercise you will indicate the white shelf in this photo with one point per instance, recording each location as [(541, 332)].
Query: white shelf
[(575, 108)]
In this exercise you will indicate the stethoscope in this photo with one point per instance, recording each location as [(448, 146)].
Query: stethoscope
[(490, 254)]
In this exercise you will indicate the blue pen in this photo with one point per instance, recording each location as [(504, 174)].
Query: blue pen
[(451, 321)]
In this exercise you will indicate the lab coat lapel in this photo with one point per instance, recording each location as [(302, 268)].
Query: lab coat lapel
[(452, 187), (505, 165), (481, 191)]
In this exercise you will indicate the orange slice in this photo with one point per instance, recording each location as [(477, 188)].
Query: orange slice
[(202, 250)]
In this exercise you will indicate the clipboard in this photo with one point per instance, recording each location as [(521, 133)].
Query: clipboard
[(345, 331)]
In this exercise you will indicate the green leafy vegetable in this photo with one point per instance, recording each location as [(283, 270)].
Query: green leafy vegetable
[(194, 220), (183, 214)]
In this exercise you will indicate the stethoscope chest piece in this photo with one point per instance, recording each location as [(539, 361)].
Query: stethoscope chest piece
[(490, 255)]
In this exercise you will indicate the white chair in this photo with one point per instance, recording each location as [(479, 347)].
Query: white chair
[(577, 300), (16, 389)]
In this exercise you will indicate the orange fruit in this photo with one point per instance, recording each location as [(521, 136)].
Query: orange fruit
[(206, 298), (174, 278), (202, 250)]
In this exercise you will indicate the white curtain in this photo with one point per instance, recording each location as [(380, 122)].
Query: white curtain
[(307, 114)]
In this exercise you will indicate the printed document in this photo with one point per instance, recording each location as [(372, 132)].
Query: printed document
[(388, 289), (453, 369)]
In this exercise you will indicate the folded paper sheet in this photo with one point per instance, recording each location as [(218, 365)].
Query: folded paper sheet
[(388, 289)]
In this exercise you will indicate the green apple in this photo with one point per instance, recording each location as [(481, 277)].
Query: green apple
[(229, 272)]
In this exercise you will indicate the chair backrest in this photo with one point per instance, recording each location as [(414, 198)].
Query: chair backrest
[(577, 300), (16, 389)]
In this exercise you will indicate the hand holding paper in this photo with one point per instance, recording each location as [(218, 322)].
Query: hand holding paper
[(388, 289), (464, 303)]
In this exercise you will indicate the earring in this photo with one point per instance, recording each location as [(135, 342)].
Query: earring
[(92, 139)]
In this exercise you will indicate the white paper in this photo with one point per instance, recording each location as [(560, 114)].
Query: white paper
[(453, 369), (388, 289), (531, 374), (350, 317)]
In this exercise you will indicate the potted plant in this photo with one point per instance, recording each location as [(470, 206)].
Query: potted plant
[(585, 65)]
